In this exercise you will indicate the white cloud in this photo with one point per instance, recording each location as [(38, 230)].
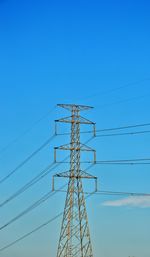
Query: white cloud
[(131, 201)]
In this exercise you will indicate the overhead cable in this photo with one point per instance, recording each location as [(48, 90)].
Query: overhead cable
[(34, 230), (44, 198), (12, 172), (26, 131)]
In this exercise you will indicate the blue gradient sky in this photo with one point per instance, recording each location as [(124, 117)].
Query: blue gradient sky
[(87, 52)]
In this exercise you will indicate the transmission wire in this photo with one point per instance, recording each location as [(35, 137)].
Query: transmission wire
[(44, 198), (27, 159), (36, 229), (26, 131)]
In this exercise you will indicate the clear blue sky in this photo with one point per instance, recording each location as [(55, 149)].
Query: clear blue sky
[(86, 52)]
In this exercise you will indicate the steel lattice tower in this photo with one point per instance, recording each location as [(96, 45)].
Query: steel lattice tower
[(75, 235)]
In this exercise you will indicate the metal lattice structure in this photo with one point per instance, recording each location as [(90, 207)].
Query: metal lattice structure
[(75, 235)]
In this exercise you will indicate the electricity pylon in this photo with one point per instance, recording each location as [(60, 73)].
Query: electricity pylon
[(75, 235)]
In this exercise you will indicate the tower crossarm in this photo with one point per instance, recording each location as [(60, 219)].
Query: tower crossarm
[(80, 120), (74, 147), (67, 174)]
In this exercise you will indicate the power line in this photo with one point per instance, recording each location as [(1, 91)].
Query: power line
[(45, 224), (116, 88), (124, 134), (27, 159), (50, 194), (34, 205), (100, 192), (31, 207), (143, 161), (140, 161), (124, 127), (32, 182), (51, 110), (122, 193), (26, 131), (31, 232), (125, 163), (35, 230), (126, 160), (36, 179), (123, 101), (115, 162), (113, 129)]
